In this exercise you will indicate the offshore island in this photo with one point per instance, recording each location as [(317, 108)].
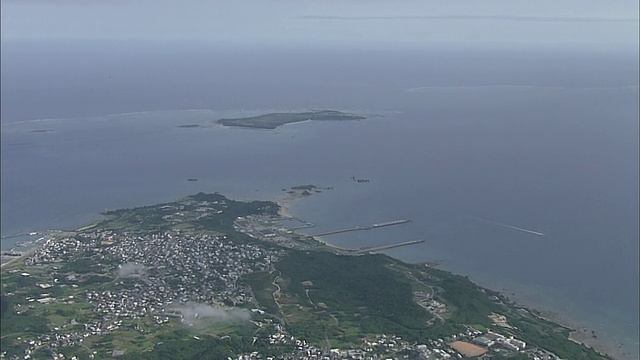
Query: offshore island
[(274, 120), (207, 277)]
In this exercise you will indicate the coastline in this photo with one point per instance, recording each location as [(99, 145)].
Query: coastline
[(285, 212), (37, 244), (284, 208), (21, 257), (579, 334)]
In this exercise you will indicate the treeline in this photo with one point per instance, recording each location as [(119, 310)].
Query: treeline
[(472, 306), (5, 304), (186, 346), (14, 325), (181, 344), (554, 341), (362, 286)]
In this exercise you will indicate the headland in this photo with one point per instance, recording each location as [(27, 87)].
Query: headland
[(210, 275)]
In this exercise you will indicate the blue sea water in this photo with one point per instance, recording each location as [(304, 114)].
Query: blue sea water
[(548, 145)]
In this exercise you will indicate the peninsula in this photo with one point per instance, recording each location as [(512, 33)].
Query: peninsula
[(274, 120), (208, 277)]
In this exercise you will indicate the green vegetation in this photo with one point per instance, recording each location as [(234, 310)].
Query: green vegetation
[(327, 299), (352, 283), (272, 121), (5, 304), (349, 297), (471, 307), (218, 214), (536, 331), (81, 265), (343, 298), (263, 288)]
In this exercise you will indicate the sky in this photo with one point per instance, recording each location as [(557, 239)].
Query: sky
[(581, 23)]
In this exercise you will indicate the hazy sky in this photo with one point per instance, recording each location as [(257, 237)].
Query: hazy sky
[(585, 23)]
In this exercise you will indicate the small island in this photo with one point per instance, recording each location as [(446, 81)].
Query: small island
[(274, 120), (305, 190), (360, 181)]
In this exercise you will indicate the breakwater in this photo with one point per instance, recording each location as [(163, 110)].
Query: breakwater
[(368, 227), (390, 246)]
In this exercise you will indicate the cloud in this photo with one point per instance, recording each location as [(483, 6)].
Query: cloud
[(197, 313), (415, 23), (130, 269), (471, 17)]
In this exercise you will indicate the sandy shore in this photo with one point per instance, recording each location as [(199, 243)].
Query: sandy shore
[(284, 208), (285, 200), (578, 334), (586, 337)]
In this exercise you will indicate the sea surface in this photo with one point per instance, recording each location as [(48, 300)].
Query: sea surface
[(546, 142)]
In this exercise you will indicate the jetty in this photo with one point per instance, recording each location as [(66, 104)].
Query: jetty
[(305, 224), (390, 246), (369, 227), (33, 233), (12, 253)]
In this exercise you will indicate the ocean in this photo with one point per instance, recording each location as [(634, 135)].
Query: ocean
[(545, 141)]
